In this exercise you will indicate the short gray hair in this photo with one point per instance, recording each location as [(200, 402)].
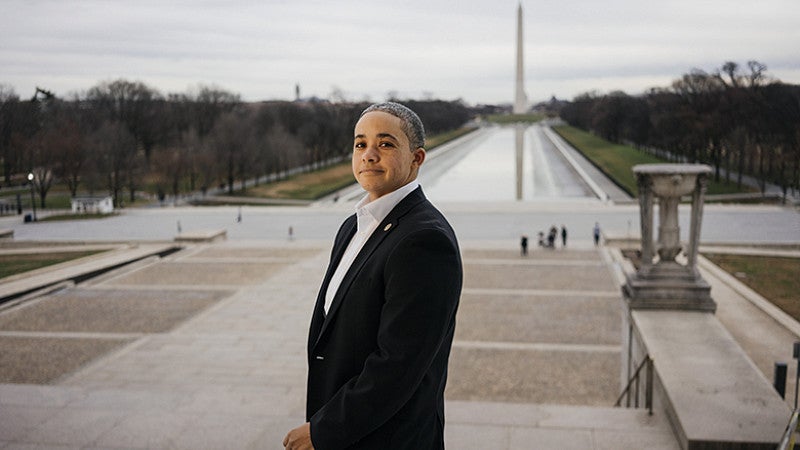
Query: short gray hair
[(412, 125)]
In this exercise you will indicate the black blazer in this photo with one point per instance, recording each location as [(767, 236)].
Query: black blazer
[(377, 364)]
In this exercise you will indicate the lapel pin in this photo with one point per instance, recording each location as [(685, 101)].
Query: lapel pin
[(386, 228)]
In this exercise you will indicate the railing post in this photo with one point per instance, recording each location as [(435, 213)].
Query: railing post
[(779, 379), (796, 355), (628, 394), (787, 441), (648, 390), (633, 383)]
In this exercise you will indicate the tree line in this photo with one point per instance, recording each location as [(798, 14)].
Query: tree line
[(122, 137), (736, 119)]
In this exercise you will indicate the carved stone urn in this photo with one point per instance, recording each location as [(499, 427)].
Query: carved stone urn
[(662, 282)]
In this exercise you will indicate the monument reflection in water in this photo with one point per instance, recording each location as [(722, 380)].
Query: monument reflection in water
[(503, 164)]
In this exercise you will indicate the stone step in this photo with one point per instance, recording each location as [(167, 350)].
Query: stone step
[(479, 425)]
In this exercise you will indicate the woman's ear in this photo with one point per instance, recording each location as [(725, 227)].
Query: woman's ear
[(419, 156)]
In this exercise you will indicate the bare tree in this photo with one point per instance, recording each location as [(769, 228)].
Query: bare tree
[(172, 164), (132, 104), (757, 75), (209, 103), (8, 106), (731, 69), (41, 154), (113, 150), (70, 154), (283, 150), (230, 145), (19, 122)]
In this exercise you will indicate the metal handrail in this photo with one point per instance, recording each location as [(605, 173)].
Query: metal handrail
[(633, 382), (787, 441)]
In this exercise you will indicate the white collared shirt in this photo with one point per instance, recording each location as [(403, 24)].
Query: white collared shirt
[(368, 216)]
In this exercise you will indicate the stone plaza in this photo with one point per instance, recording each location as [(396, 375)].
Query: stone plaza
[(205, 348)]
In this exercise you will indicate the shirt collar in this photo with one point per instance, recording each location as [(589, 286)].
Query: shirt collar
[(375, 211)]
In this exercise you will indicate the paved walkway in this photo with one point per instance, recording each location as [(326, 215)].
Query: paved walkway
[(204, 348)]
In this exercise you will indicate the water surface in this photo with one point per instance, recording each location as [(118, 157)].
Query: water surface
[(510, 163)]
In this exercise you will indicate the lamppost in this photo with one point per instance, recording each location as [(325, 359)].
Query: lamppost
[(33, 198)]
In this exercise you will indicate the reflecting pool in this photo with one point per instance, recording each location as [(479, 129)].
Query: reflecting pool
[(508, 163)]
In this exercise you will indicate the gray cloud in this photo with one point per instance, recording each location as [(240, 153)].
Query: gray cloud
[(452, 49)]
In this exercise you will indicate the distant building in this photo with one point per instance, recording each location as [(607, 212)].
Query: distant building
[(92, 205), (551, 108)]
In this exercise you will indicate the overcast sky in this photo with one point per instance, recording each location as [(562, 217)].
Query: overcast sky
[(365, 49)]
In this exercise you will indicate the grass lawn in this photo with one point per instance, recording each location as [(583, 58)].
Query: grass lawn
[(305, 186), (56, 199), (617, 160), (431, 142), (775, 278), (14, 264)]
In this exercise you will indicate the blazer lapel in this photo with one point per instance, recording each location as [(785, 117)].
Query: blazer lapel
[(389, 224), (339, 246)]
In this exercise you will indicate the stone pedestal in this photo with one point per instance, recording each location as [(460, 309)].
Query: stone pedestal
[(661, 282)]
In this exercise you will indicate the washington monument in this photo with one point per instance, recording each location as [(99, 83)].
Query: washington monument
[(520, 99)]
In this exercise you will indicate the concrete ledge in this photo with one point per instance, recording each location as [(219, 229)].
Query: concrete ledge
[(712, 392), (77, 271), (6, 233), (246, 201), (202, 236)]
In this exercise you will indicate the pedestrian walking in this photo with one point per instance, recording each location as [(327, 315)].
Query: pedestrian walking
[(551, 237), (596, 233), (563, 235), (523, 242)]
